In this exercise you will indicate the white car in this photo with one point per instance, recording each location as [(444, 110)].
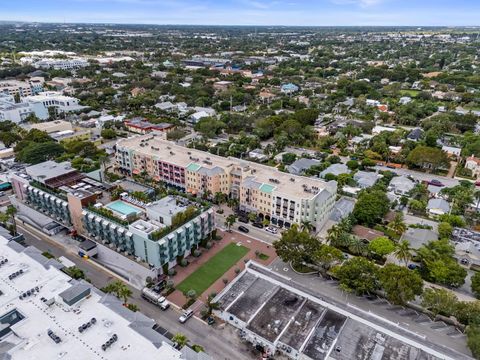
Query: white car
[(164, 305), (271, 229), (187, 314)]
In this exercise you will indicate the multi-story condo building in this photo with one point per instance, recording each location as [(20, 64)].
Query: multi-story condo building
[(282, 198), (61, 64), (22, 88), (18, 112), (55, 99), (157, 233)]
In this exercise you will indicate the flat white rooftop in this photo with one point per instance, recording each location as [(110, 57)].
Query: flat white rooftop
[(167, 151), (25, 336)]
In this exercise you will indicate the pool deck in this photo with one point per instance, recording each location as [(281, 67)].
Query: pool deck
[(119, 206)]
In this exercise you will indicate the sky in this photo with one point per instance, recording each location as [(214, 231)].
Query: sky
[(248, 12)]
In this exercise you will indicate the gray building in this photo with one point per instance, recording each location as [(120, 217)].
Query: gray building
[(299, 166)]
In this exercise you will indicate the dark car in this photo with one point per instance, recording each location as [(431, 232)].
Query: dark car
[(258, 225), (210, 320), (243, 229), (436, 182), (243, 219)]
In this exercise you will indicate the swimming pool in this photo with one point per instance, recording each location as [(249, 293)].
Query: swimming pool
[(123, 208)]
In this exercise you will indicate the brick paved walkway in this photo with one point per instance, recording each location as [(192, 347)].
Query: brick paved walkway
[(194, 263)]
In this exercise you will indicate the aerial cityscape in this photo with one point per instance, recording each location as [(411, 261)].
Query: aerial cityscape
[(240, 180)]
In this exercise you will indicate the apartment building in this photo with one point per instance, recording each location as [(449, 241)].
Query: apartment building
[(55, 99), (22, 88), (18, 112), (146, 233), (61, 64), (284, 199)]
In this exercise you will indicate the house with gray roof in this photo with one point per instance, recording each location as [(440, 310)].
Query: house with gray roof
[(419, 237), (335, 169), (401, 185), (301, 165), (366, 179), (438, 206)]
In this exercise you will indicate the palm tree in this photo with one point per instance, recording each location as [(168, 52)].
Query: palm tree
[(120, 289), (334, 233), (211, 305), (219, 198), (180, 339), (397, 224), (124, 292), (230, 220), (11, 211), (403, 251), (232, 203), (306, 226), (358, 246)]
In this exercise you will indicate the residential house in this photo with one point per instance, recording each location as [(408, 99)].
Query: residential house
[(473, 163), (401, 185), (335, 169), (199, 115), (378, 129), (415, 135), (404, 100), (257, 154), (289, 88), (438, 207), (419, 237), (366, 233), (452, 151), (366, 179), (301, 165)]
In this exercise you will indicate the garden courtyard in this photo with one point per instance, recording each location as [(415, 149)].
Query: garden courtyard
[(218, 266), (213, 269)]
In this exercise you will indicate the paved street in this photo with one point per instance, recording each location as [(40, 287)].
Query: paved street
[(219, 343), (420, 176), (256, 233)]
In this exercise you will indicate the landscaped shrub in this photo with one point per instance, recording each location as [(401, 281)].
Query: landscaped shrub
[(184, 263), (189, 303)]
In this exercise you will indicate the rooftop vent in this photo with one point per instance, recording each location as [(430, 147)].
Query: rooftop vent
[(110, 342), (87, 325), (15, 274), (54, 337)]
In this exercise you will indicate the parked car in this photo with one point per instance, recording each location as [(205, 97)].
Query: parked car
[(187, 314), (436, 182), (271, 229), (243, 229), (258, 225), (210, 320), (243, 219)]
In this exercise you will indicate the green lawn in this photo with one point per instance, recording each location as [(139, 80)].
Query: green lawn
[(213, 269)]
